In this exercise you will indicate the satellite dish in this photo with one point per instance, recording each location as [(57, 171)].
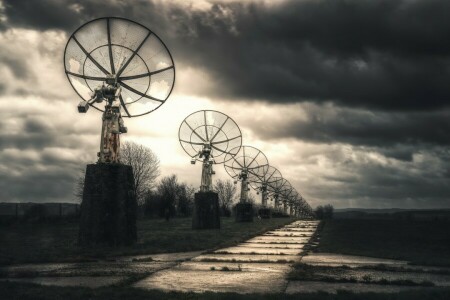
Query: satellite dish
[(260, 183), (276, 189), (211, 137), (121, 68), (123, 50), (292, 198), (247, 165)]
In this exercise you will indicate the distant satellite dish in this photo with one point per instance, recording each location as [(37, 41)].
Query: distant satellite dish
[(261, 183), (247, 165), (211, 137), (276, 189)]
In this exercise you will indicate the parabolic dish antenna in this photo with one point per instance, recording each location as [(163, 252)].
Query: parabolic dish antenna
[(121, 68), (276, 188), (247, 165), (123, 51), (211, 137), (285, 193), (292, 199), (261, 183)]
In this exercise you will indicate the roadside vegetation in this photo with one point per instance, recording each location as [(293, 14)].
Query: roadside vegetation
[(56, 241), (425, 242), (307, 272)]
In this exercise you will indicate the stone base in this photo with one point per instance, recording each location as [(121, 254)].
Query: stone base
[(278, 214), (206, 211), (109, 207), (264, 213), (244, 212)]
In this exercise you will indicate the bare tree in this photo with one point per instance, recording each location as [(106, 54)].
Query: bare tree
[(145, 165), (328, 211), (251, 198), (319, 212), (170, 198), (226, 191), (168, 191), (185, 199)]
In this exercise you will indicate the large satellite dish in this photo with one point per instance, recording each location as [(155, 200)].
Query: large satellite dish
[(121, 68), (128, 52), (211, 137), (261, 183), (247, 165)]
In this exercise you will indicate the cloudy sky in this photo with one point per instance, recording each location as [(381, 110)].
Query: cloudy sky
[(348, 99)]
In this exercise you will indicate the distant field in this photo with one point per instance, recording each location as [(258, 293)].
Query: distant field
[(421, 242), (57, 241)]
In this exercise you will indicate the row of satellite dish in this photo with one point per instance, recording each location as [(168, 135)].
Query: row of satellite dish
[(214, 138), (124, 70)]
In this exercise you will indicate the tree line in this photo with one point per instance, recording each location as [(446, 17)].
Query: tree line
[(167, 197)]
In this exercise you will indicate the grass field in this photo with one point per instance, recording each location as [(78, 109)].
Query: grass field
[(34, 292), (421, 242), (57, 241)]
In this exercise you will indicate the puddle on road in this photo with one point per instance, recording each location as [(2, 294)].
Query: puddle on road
[(248, 258), (92, 282), (273, 246), (289, 234), (279, 239), (180, 256), (113, 269), (243, 267), (256, 251), (87, 269)]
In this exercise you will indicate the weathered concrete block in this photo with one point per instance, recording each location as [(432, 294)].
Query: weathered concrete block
[(108, 209), (206, 211), (264, 213), (244, 212)]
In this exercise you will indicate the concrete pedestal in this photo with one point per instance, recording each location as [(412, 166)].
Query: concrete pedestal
[(206, 211), (264, 213), (244, 212), (108, 210)]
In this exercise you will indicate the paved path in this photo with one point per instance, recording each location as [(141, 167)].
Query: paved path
[(259, 265)]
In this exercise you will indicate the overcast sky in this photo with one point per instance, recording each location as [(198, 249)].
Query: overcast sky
[(348, 99)]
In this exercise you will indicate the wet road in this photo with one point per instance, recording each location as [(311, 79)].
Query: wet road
[(259, 265)]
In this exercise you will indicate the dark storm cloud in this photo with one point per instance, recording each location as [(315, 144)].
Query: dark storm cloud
[(384, 65), (42, 162), (330, 124), (39, 184), (391, 186), (389, 54)]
